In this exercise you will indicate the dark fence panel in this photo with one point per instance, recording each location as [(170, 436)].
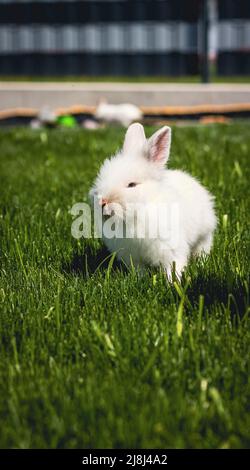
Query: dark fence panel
[(233, 9), (129, 37), (76, 12), (234, 63), (234, 37), (98, 64)]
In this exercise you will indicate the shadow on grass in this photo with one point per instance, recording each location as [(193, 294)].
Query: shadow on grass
[(89, 262), (231, 292)]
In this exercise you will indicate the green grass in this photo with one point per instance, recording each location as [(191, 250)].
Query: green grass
[(108, 358), (127, 79)]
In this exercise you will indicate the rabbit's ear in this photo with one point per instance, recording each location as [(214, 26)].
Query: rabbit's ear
[(159, 145), (135, 138)]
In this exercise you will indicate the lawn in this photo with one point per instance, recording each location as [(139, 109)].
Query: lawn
[(127, 79), (92, 355)]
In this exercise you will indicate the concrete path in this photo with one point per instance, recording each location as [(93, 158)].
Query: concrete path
[(55, 95)]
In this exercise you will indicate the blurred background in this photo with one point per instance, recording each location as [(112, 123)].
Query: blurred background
[(124, 37), (154, 49)]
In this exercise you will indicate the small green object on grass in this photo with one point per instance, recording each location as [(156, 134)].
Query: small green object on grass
[(67, 121)]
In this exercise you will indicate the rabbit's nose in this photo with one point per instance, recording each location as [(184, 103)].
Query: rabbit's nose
[(103, 202)]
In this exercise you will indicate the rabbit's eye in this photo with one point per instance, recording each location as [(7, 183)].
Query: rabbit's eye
[(132, 185)]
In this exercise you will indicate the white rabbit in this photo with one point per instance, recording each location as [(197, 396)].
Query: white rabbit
[(135, 183), (123, 113)]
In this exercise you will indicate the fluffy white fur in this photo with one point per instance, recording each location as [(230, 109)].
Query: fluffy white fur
[(143, 161)]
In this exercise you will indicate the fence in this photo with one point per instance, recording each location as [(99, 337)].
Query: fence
[(234, 37), (109, 37), (120, 37)]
